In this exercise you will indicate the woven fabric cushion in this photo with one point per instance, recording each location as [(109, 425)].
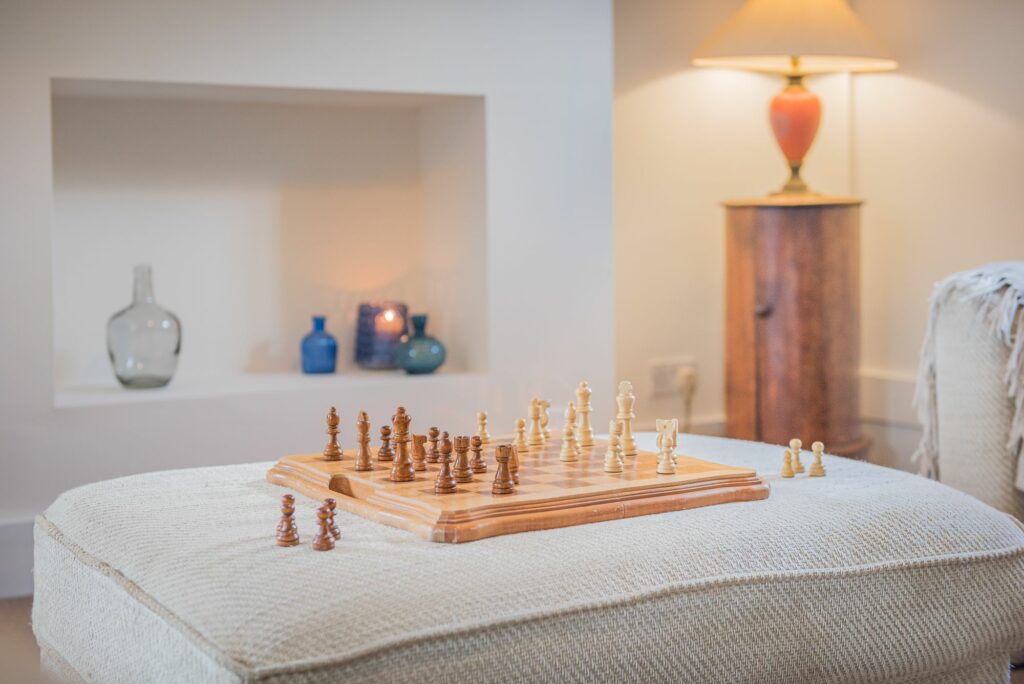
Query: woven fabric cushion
[(869, 574), (974, 411)]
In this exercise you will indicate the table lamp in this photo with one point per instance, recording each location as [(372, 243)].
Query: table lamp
[(794, 38)]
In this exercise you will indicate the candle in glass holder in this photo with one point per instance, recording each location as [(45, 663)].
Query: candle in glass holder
[(379, 329)]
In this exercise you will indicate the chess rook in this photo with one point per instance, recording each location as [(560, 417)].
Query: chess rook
[(481, 420), (477, 464), (796, 446), (287, 532), (536, 438), (331, 505), (385, 454), (584, 433), (569, 452), (363, 428), (332, 452), (502, 476), (419, 453), (461, 470), (401, 471), (626, 401), (433, 455), (323, 541), (445, 482)]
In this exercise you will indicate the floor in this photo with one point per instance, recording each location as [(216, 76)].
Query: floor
[(21, 659)]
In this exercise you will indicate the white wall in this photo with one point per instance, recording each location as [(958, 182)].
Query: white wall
[(936, 149), (544, 70)]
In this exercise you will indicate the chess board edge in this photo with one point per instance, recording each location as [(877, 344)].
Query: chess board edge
[(308, 475)]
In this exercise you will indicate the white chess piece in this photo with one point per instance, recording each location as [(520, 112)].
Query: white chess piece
[(612, 457), (536, 435), (666, 463), (625, 400), (522, 446), (545, 418), (481, 419), (670, 427), (572, 416), (584, 433), (569, 448)]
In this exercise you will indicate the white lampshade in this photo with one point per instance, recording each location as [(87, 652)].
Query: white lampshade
[(794, 37)]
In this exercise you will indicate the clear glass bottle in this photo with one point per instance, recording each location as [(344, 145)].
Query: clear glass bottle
[(144, 340)]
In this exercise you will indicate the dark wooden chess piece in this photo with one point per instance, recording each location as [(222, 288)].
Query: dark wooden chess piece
[(502, 477), (433, 456), (401, 471), (477, 464), (419, 453), (287, 532), (445, 483), (323, 541), (331, 505), (385, 454), (461, 470), (331, 451), (363, 462), (513, 464)]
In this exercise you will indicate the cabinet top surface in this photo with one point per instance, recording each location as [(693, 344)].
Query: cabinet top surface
[(807, 200)]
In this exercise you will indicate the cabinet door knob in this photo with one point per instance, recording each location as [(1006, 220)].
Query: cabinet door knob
[(763, 310)]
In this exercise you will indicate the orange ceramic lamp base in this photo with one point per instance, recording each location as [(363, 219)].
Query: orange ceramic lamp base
[(795, 115)]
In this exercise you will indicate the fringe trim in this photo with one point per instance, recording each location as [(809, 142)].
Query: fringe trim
[(998, 292)]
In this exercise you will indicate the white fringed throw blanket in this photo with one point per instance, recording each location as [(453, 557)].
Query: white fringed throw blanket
[(998, 289)]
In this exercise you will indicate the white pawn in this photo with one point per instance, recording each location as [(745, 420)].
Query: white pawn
[(666, 461), (615, 428), (584, 433), (481, 420), (536, 435), (569, 448), (572, 415), (613, 457), (796, 446), (521, 444), (625, 401)]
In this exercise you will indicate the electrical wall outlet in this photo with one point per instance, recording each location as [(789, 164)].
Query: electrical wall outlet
[(666, 375)]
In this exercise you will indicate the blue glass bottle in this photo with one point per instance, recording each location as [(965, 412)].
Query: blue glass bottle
[(421, 353), (319, 349)]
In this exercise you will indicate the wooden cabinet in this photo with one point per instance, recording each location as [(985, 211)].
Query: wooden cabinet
[(792, 321)]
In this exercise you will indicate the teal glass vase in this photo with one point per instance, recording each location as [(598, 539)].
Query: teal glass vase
[(421, 353)]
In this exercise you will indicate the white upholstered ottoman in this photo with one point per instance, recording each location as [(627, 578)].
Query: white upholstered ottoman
[(866, 575)]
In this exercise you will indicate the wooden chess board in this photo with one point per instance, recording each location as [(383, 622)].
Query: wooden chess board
[(550, 493)]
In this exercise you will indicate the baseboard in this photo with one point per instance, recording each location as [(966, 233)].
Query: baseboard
[(15, 558)]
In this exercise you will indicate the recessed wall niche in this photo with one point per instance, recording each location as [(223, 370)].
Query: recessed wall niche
[(258, 207)]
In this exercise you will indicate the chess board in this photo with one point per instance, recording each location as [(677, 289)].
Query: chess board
[(550, 493)]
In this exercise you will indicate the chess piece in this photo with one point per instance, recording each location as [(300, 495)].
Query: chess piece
[(323, 541), (787, 464), (385, 454), (615, 428), (477, 464), (536, 434), (569, 451), (612, 457), (503, 477), (433, 456), (670, 429), (666, 463), (625, 401), (401, 471), (545, 405), (331, 451), (522, 445), (331, 505), (461, 470), (817, 468), (481, 420), (796, 446), (445, 483), (363, 428), (419, 452), (513, 465), (287, 532), (584, 433)]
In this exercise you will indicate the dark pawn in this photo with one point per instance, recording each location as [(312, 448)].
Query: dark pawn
[(323, 541), (287, 532), (433, 456), (385, 453), (477, 464), (461, 469), (331, 504), (445, 483)]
